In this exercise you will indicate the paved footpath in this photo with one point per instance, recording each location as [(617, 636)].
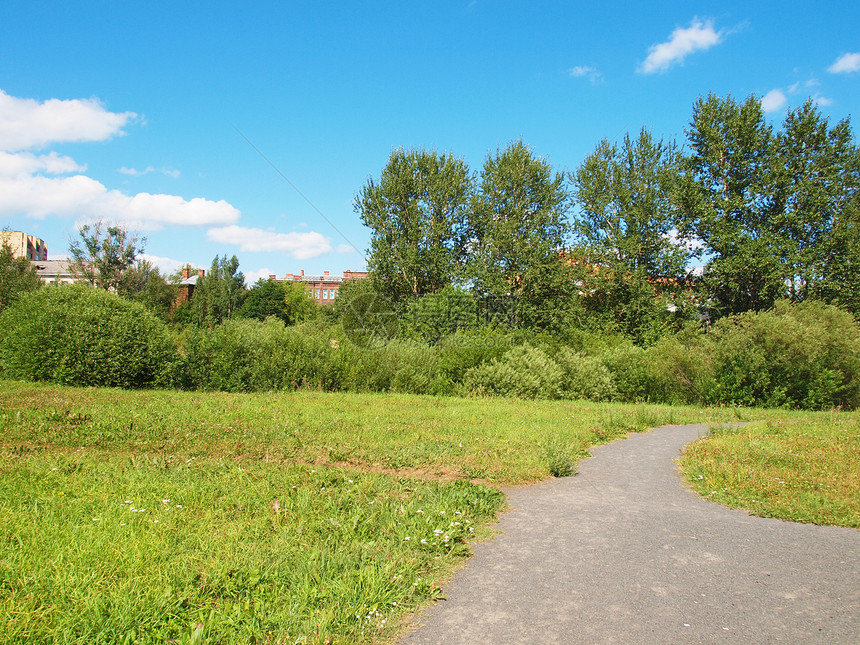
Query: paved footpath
[(624, 553)]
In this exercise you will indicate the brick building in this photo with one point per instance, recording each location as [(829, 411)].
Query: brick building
[(323, 287), (186, 285)]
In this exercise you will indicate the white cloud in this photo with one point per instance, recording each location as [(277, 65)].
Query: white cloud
[(299, 245), (347, 248), (137, 173), (846, 63), (166, 266), (252, 276), (823, 101), (592, 73), (29, 187), (690, 244), (773, 101), (86, 199), (26, 163), (699, 36), (26, 123)]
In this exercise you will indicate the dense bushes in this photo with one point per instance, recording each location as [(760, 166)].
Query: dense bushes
[(801, 356), (795, 355), (82, 336)]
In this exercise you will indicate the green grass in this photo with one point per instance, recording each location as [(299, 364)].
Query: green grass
[(99, 548), (501, 441), (280, 518), (804, 470)]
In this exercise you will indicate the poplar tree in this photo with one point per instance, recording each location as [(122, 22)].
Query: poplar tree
[(517, 232), (218, 294), (629, 262), (775, 213), (416, 212)]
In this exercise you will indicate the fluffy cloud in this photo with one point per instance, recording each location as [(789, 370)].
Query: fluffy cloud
[(166, 266), (36, 185), (252, 276), (299, 245), (846, 63), (699, 36), (26, 123), (777, 99), (26, 163), (773, 101), (86, 199)]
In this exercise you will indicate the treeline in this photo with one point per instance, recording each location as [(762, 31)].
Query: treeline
[(795, 355), (515, 281), (770, 215)]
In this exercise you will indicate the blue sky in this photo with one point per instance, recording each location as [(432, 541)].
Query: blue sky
[(143, 112)]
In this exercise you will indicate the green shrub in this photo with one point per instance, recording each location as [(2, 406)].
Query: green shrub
[(523, 372), (629, 371), (464, 350), (796, 355), (679, 368), (436, 315), (252, 356), (584, 377), (415, 368), (82, 336)]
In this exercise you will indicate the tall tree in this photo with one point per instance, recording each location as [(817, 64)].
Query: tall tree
[(416, 212), (516, 234), (627, 256), (105, 257), (17, 276), (153, 289), (776, 212), (817, 205), (625, 214), (218, 294), (726, 204)]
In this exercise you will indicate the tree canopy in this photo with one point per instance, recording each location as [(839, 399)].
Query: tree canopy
[(416, 212), (105, 257), (771, 209), (218, 294)]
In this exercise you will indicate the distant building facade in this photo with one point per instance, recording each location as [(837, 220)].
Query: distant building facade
[(56, 272), (323, 287), (24, 245)]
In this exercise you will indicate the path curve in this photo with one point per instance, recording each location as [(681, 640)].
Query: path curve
[(623, 552)]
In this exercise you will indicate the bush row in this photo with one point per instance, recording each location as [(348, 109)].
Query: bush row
[(800, 356)]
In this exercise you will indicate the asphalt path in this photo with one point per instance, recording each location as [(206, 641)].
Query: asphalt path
[(623, 552)]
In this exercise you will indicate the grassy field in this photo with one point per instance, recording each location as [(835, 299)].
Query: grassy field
[(800, 469), (143, 517)]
